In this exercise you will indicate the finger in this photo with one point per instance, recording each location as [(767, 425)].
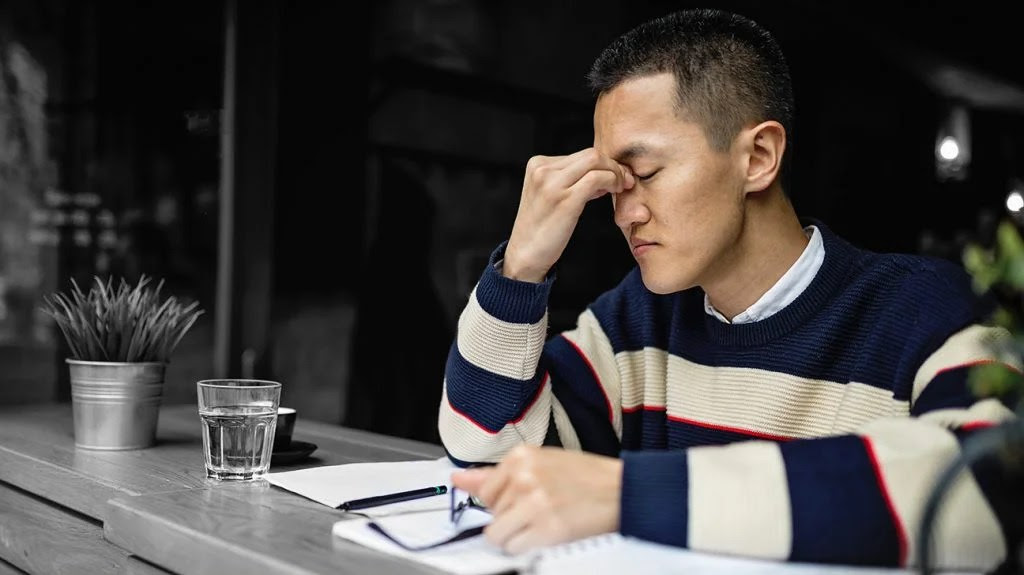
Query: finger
[(506, 498), (525, 540), (562, 172), (471, 480), (595, 184), (562, 162), (551, 164), (517, 477), (579, 164), (628, 177), (506, 525), (495, 484)]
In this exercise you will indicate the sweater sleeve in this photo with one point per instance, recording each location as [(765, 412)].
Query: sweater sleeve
[(506, 383), (851, 499)]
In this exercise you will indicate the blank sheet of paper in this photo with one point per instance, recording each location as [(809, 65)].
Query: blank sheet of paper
[(333, 485)]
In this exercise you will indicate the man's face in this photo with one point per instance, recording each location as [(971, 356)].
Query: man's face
[(686, 210)]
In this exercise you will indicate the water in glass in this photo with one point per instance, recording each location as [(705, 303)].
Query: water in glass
[(239, 440)]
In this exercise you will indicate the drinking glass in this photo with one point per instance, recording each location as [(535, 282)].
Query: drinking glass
[(239, 418)]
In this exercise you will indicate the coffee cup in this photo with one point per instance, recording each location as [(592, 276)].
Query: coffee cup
[(285, 426)]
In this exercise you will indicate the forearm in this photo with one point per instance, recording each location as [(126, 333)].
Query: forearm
[(494, 395), (854, 499)]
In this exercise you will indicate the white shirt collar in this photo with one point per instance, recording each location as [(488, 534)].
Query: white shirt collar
[(787, 289)]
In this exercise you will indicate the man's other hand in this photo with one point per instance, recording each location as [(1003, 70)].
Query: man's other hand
[(545, 495)]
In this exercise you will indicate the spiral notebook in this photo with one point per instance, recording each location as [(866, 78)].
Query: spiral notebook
[(614, 554), (610, 554)]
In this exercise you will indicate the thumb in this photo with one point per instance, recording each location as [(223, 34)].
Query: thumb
[(628, 178)]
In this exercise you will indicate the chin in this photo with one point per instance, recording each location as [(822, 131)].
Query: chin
[(661, 284)]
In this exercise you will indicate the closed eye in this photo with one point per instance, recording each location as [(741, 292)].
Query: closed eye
[(647, 177)]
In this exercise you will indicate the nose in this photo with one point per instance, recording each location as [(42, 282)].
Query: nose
[(630, 209)]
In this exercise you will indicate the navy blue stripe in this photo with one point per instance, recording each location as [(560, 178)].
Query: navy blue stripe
[(952, 389), (574, 386), (632, 317), (651, 429), (839, 513), (512, 300), (592, 427), (655, 496), (682, 435), (644, 430), (562, 357), (947, 389), (489, 399)]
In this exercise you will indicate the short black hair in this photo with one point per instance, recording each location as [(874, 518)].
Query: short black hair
[(729, 71)]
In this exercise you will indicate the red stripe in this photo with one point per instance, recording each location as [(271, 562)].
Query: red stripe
[(973, 425), (470, 419), (643, 408), (607, 402), (977, 362), (900, 531), (533, 400), (706, 425)]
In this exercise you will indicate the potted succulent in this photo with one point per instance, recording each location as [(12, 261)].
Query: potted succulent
[(121, 339), (997, 270)]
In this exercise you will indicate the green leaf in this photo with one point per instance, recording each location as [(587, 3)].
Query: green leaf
[(1015, 272), (1009, 241), (993, 380)]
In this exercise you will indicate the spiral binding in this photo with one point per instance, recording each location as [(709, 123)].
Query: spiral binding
[(566, 550)]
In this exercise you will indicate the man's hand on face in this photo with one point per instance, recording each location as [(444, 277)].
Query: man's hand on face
[(555, 191), (545, 495)]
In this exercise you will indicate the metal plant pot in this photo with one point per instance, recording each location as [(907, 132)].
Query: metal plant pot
[(115, 405)]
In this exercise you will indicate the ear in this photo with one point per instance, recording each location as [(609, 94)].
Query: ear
[(765, 144)]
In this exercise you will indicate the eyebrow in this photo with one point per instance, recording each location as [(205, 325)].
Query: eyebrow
[(631, 152)]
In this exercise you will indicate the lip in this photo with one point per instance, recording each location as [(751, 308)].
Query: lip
[(640, 246)]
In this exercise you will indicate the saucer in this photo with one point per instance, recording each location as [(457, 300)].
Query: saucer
[(296, 451)]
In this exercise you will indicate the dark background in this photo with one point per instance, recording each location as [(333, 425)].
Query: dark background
[(400, 131)]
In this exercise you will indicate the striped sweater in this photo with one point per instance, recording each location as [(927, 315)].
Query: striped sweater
[(812, 435)]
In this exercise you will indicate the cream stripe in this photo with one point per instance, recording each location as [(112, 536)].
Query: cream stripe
[(643, 377), (751, 399), (469, 442), (862, 404), (508, 349), (911, 454), (739, 500), (972, 344), (566, 433), (591, 339)]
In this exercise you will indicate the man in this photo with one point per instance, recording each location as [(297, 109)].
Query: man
[(757, 385)]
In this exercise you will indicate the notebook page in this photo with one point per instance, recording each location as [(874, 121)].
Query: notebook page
[(613, 554), (332, 485)]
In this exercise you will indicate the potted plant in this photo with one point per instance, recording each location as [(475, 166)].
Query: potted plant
[(997, 271), (120, 339)]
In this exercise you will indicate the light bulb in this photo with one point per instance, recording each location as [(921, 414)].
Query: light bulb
[(1014, 201), (949, 149)]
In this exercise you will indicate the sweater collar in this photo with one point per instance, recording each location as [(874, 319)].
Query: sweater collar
[(840, 257)]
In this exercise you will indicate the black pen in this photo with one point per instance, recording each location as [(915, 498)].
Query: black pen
[(393, 498)]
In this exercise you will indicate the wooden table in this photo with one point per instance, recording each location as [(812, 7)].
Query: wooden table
[(68, 510)]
